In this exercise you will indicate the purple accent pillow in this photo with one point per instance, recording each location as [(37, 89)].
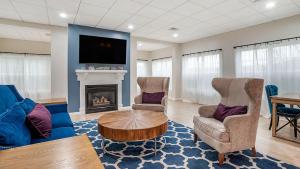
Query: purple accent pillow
[(223, 111), (39, 122), (152, 98)]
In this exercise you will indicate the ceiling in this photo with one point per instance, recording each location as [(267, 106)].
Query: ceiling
[(152, 18), (150, 46), (24, 33)]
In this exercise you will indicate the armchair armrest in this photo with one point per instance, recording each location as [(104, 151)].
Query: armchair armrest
[(164, 101), (239, 128), (138, 99), (207, 110), (57, 108)]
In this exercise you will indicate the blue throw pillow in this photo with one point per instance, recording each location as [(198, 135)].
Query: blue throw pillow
[(7, 98), (13, 129), (27, 105)]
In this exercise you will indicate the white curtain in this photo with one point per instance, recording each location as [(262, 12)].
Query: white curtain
[(142, 71), (277, 63), (142, 68), (163, 68), (30, 73), (198, 70)]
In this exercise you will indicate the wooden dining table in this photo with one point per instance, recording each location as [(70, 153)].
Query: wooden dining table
[(287, 98)]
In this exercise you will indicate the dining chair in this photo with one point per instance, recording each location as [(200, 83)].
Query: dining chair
[(290, 114)]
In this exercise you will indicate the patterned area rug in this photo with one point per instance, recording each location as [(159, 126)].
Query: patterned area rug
[(180, 152)]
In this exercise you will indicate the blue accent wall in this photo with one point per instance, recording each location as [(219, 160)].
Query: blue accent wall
[(73, 62)]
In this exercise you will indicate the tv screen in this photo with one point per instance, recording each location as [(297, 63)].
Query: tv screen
[(94, 49)]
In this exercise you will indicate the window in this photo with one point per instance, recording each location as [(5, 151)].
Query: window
[(198, 70), (30, 73), (277, 63), (163, 68)]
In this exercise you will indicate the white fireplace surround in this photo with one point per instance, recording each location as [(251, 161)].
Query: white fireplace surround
[(99, 77)]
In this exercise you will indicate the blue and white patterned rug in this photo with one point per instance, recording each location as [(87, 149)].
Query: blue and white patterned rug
[(180, 152)]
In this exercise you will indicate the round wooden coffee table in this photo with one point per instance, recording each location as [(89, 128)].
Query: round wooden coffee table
[(132, 126)]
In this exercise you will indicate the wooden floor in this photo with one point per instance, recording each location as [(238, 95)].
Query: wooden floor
[(183, 113)]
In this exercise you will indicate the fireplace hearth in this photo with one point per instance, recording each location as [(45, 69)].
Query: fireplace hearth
[(101, 98)]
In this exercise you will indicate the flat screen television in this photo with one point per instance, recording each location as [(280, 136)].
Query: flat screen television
[(93, 49)]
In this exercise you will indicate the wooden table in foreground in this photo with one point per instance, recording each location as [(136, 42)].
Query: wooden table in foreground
[(52, 101), (288, 98), (72, 153)]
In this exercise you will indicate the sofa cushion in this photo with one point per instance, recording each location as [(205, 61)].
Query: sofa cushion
[(7, 98), (212, 127), (39, 122), (223, 111), (27, 104), (61, 119), (56, 133), (151, 107), (152, 98), (13, 130)]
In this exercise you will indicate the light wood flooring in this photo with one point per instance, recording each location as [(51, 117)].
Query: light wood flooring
[(183, 113)]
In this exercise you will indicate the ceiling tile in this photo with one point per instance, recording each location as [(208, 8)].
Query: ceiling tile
[(207, 3), (9, 14), (32, 2), (151, 12), (88, 9), (139, 20), (30, 8), (100, 3), (88, 20), (68, 6), (228, 6), (188, 9), (242, 13), (55, 19), (205, 15), (127, 6), (43, 19), (167, 4), (6, 5), (113, 19)]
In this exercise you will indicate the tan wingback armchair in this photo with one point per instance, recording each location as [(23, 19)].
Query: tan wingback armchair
[(152, 85), (236, 132)]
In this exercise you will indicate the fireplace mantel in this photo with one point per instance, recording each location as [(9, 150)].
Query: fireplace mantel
[(99, 77)]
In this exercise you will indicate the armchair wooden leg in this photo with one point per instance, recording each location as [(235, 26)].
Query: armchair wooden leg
[(195, 137), (253, 152), (221, 159)]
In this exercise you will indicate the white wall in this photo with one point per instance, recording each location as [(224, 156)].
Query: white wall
[(284, 28), (24, 46), (59, 63)]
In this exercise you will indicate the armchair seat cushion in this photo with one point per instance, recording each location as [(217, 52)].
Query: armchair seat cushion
[(212, 127), (61, 119), (288, 112), (152, 107)]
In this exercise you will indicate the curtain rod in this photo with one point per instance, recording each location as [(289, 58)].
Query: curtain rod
[(163, 58), (142, 59), (27, 53), (267, 42), (201, 52)]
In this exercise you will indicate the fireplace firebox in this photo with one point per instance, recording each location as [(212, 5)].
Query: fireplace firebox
[(101, 98)]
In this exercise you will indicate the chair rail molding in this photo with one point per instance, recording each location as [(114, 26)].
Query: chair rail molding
[(99, 77)]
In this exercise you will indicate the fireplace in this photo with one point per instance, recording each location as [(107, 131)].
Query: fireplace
[(101, 98)]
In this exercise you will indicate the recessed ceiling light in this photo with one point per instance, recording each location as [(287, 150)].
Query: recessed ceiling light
[(130, 26), (139, 44), (270, 5), (175, 35), (63, 15)]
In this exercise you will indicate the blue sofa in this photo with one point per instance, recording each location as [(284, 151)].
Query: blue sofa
[(62, 125)]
